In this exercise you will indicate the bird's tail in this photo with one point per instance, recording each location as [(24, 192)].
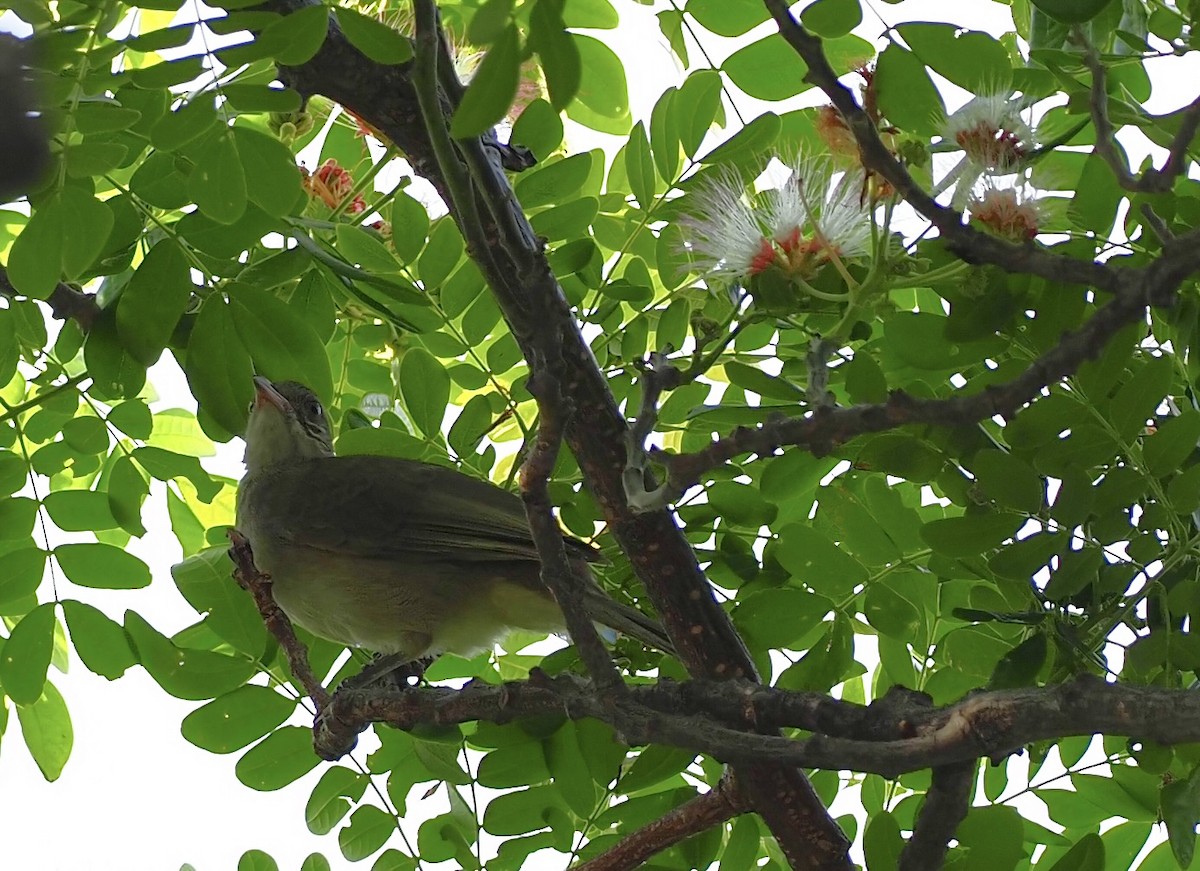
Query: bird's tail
[(627, 620)]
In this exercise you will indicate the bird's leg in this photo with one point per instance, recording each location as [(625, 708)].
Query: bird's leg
[(403, 671)]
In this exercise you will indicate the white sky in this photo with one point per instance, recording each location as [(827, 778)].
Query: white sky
[(135, 795)]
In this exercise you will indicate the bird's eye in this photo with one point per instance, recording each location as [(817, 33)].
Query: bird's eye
[(314, 408)]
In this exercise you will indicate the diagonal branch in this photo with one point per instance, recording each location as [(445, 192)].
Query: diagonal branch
[(1154, 181), (540, 318), (690, 818), (965, 241)]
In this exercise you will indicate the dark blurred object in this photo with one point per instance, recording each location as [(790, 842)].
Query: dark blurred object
[(24, 142)]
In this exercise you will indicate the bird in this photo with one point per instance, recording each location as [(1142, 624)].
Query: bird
[(404, 558)]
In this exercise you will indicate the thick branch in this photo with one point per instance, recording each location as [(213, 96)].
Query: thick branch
[(888, 738), (540, 319)]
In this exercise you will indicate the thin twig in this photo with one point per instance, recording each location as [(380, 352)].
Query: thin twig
[(259, 586), (557, 573)]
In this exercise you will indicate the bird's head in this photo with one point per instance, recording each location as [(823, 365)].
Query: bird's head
[(286, 423)]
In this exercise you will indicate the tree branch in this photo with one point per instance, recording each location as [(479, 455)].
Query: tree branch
[(826, 427), (965, 241), (890, 737), (259, 586), (1154, 181), (945, 806), (540, 318), (557, 573), (66, 302), (690, 818)]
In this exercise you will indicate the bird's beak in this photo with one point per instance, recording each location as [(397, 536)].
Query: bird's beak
[(265, 394)]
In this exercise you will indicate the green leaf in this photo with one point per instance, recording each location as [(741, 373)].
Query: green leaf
[(256, 860), (1071, 11), (749, 142), (970, 535), (62, 239), (1086, 855), (218, 181), (86, 434), (281, 343), (493, 88), (410, 226), (882, 842), (46, 728), (328, 805), (654, 765), (181, 672), (894, 607), (561, 59), (186, 124), (425, 386), (830, 19), (17, 516), (25, 656), (153, 302), (369, 829), (100, 642), (363, 248), (282, 757), (907, 96), (132, 418), (272, 182), (205, 581), (568, 767), (237, 719), (296, 37), (602, 101), (810, 557), (727, 19), (1173, 442), (1136, 401), (1180, 804), (373, 38), (779, 618), (695, 108), (255, 98), (1021, 665), (639, 166), (21, 573), (554, 181), (102, 566), (79, 510), (664, 134), (1096, 195), (167, 465), (218, 367), (970, 59), (1009, 480)]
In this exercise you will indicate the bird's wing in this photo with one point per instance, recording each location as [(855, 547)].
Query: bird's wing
[(399, 508)]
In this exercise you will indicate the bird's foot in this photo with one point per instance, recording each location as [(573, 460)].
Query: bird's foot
[(396, 667)]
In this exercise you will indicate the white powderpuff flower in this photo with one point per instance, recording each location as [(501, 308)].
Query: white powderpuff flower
[(722, 233), (1013, 213), (817, 215), (990, 130)]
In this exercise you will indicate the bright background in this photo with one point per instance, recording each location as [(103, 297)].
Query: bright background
[(109, 810)]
